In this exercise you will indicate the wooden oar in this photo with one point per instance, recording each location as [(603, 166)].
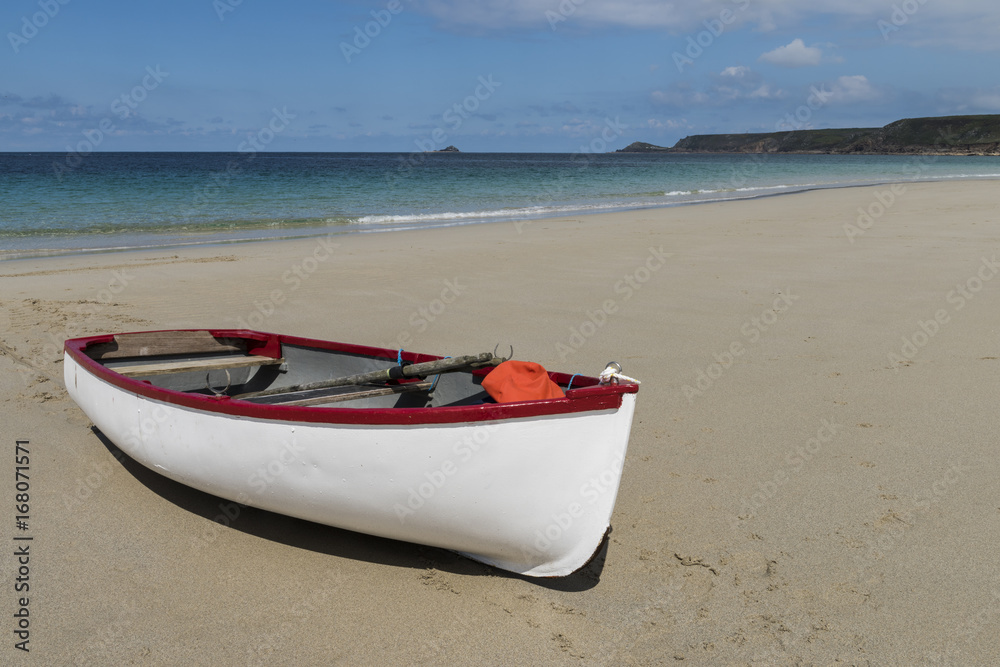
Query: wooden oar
[(424, 369)]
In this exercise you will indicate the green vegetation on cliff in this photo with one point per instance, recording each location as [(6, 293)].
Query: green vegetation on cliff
[(946, 135)]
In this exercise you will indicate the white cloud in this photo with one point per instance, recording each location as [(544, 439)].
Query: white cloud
[(851, 89), (764, 92), (558, 14), (969, 100), (736, 72), (988, 100), (765, 15), (796, 54), (728, 86), (679, 97), (580, 127), (669, 124), (960, 24)]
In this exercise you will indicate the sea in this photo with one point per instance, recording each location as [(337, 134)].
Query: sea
[(64, 203)]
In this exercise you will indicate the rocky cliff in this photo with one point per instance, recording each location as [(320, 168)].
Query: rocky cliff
[(947, 135)]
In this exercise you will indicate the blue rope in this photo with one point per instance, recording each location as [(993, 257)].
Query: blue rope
[(570, 385), (399, 357), (436, 378)]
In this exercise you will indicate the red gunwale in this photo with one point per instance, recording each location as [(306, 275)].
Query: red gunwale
[(589, 396)]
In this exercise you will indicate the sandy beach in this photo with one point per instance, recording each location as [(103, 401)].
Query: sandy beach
[(811, 477)]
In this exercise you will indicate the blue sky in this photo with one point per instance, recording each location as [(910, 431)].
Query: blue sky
[(484, 75)]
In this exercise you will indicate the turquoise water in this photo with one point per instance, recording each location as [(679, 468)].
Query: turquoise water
[(54, 203)]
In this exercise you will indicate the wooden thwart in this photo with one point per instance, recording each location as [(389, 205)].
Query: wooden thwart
[(188, 365), (325, 397), (155, 343)]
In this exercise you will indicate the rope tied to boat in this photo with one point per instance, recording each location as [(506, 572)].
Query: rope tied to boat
[(435, 383), (612, 374)]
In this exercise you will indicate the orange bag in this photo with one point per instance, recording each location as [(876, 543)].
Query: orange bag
[(520, 381)]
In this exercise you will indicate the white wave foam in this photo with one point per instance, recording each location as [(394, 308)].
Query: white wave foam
[(510, 213)]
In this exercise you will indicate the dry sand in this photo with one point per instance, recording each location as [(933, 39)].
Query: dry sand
[(792, 494)]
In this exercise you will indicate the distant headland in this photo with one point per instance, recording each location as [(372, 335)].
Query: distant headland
[(449, 149), (945, 135)]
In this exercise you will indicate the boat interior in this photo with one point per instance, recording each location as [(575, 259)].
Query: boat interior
[(273, 370)]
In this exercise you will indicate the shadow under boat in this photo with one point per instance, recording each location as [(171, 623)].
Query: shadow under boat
[(337, 542)]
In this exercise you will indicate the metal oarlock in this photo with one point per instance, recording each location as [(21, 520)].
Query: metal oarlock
[(208, 383)]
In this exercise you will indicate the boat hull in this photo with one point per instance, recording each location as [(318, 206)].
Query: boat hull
[(532, 495)]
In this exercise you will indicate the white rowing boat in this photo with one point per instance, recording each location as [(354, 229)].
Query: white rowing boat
[(262, 419)]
